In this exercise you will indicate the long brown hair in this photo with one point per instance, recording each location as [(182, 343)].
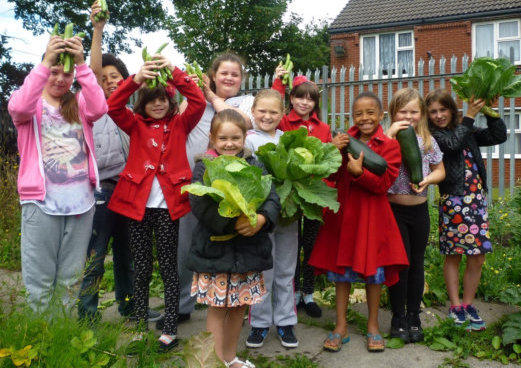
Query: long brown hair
[(227, 56), (145, 95), (401, 98), (69, 107), (444, 98)]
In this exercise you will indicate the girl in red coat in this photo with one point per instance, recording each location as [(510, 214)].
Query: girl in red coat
[(362, 243), (149, 189)]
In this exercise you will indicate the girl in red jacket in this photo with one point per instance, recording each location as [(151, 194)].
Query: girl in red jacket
[(362, 243), (149, 188)]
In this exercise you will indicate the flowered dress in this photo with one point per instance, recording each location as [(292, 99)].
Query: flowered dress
[(463, 220)]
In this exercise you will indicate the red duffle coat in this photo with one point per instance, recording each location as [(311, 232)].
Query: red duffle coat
[(157, 148), (363, 234)]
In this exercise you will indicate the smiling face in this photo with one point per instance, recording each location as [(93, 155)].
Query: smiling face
[(411, 112), (157, 108), (267, 114), (303, 106), (367, 116), (110, 78), (59, 82), (439, 115), (227, 79), (228, 140)]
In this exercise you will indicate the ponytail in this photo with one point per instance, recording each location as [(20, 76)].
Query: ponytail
[(69, 107)]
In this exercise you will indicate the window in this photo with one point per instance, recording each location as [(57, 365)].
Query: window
[(498, 39), (507, 145), (387, 52)]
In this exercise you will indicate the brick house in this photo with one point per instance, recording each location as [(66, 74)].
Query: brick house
[(384, 35)]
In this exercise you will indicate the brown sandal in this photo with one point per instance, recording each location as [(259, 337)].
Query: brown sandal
[(375, 343)]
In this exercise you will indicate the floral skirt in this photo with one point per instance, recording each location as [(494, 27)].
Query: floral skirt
[(463, 224), (228, 289)]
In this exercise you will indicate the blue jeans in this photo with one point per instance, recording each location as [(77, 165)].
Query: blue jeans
[(107, 224)]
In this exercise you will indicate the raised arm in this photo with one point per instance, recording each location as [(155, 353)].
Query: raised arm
[(97, 36), (494, 133)]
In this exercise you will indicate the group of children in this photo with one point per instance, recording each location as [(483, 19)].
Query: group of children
[(146, 153)]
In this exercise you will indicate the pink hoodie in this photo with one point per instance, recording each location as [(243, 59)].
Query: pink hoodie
[(25, 108)]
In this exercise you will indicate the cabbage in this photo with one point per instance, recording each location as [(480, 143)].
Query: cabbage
[(298, 164), (488, 79)]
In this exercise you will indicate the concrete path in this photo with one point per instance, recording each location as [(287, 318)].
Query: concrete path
[(353, 354)]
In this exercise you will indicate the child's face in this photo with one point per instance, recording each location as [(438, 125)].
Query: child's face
[(229, 139), (267, 114), (157, 108), (439, 115), (228, 79), (303, 106), (59, 82), (367, 116), (411, 112), (110, 78)]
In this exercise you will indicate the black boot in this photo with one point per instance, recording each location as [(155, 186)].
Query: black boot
[(414, 327), (399, 327)]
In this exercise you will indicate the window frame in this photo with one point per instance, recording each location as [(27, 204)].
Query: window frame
[(517, 130), (495, 24), (397, 49)]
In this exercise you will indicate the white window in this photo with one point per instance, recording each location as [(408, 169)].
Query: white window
[(507, 145), (497, 39), (387, 52)]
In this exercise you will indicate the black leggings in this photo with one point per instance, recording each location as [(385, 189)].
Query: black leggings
[(156, 222), (414, 224), (306, 240)]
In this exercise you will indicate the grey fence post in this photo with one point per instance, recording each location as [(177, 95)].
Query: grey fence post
[(333, 98), (351, 92), (342, 98), (325, 102), (512, 148)]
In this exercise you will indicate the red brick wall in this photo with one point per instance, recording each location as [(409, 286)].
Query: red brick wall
[(495, 172)]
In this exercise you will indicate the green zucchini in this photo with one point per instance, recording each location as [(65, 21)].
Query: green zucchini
[(372, 161), (411, 155)]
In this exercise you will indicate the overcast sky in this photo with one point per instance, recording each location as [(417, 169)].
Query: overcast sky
[(28, 48)]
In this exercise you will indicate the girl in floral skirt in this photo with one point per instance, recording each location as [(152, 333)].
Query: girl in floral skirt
[(463, 204)]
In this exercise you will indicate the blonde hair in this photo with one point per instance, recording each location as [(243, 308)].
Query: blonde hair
[(226, 116), (268, 93), (401, 98)]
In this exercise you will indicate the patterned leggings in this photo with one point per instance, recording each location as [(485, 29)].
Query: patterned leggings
[(307, 235), (155, 222)]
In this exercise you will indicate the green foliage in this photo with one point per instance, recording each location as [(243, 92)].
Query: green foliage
[(199, 352), (488, 78), (251, 28), (125, 16), (238, 186), (298, 164), (10, 214), (280, 361), (511, 330)]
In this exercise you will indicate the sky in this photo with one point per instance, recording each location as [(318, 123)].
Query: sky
[(25, 47)]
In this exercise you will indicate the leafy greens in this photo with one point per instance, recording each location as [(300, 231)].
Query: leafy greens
[(488, 78), (236, 185), (298, 164)]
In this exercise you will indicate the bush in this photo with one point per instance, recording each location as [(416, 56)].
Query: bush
[(10, 213)]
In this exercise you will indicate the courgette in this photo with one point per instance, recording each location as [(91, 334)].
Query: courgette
[(411, 155), (372, 160)]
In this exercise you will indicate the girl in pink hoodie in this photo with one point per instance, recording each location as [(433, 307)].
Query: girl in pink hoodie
[(57, 173)]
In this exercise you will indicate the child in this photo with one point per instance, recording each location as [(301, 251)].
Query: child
[(304, 111), (278, 305), (227, 275), (148, 191), (58, 171), (221, 89), (111, 145), (362, 243), (463, 215), (410, 208)]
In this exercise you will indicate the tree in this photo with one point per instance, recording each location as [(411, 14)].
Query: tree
[(39, 16), (251, 28), (12, 75)]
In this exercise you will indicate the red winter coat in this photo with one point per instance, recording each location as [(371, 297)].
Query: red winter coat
[(157, 148), (363, 234)]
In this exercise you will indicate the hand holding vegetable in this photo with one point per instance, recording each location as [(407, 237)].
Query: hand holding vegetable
[(474, 107), (55, 47), (340, 140), (95, 18), (195, 72), (147, 72), (288, 67), (280, 71), (74, 47), (103, 14), (354, 166), (244, 227), (396, 127), (163, 68)]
